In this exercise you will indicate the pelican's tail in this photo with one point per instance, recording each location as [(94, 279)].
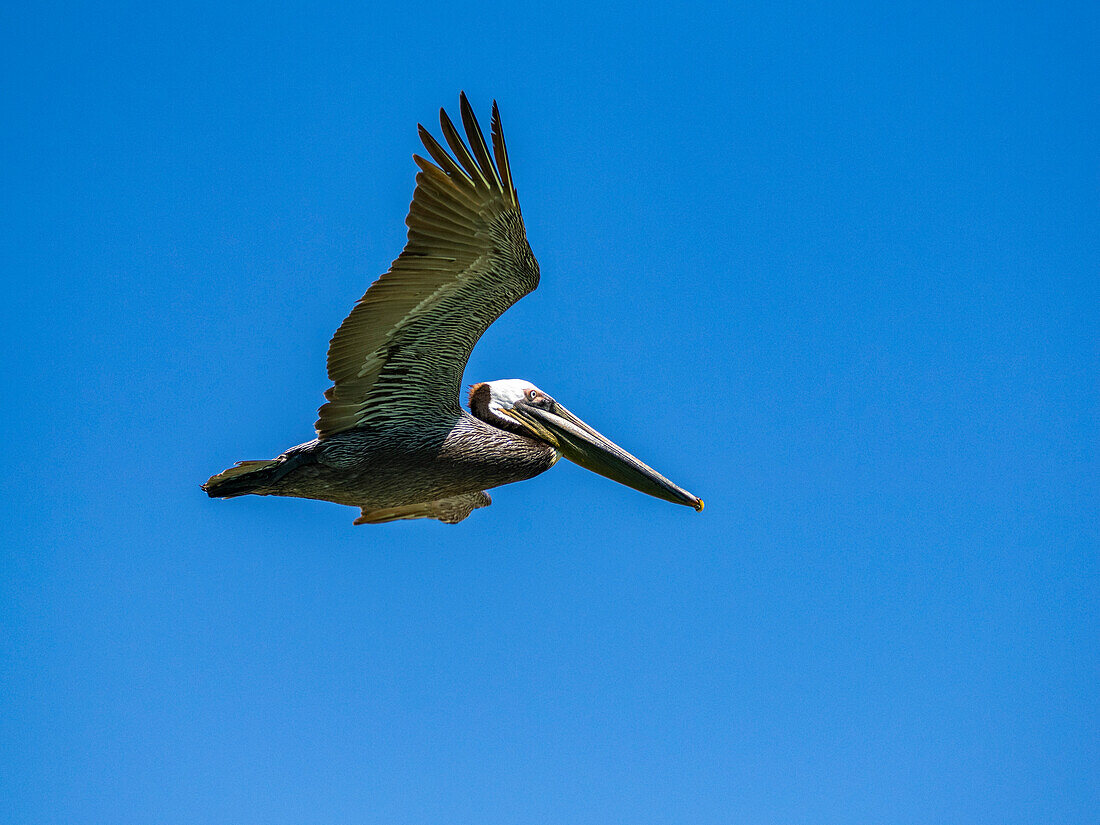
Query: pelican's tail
[(246, 477)]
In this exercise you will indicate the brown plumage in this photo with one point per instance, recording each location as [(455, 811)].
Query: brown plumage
[(392, 434), (391, 437), (404, 346)]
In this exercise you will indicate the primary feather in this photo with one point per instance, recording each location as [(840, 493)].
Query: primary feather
[(402, 350)]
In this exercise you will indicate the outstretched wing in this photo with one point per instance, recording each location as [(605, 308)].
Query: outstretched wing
[(401, 352)]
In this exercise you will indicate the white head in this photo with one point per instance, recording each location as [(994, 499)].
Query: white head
[(488, 398)]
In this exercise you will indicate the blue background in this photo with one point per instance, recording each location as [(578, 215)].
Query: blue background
[(834, 268)]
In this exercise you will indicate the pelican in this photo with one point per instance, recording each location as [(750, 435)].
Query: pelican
[(392, 438)]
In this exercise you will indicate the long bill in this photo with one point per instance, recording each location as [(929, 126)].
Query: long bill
[(584, 446)]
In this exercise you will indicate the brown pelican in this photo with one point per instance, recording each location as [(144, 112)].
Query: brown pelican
[(392, 438)]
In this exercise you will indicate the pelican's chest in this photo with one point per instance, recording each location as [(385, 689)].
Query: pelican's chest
[(479, 450)]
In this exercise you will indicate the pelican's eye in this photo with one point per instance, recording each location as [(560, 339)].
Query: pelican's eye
[(532, 395)]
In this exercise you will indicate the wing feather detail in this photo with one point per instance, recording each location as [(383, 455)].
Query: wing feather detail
[(500, 150), (477, 144), (458, 146), (439, 155), (400, 353)]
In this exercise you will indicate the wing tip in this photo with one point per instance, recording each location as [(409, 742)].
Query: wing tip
[(473, 161)]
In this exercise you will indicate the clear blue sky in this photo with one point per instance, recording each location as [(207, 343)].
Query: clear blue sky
[(835, 268)]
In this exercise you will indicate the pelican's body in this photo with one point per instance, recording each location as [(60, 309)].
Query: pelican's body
[(382, 468), (392, 439)]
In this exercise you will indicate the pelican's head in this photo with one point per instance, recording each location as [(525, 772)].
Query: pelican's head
[(519, 406)]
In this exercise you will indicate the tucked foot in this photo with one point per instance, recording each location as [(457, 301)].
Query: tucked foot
[(448, 510)]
